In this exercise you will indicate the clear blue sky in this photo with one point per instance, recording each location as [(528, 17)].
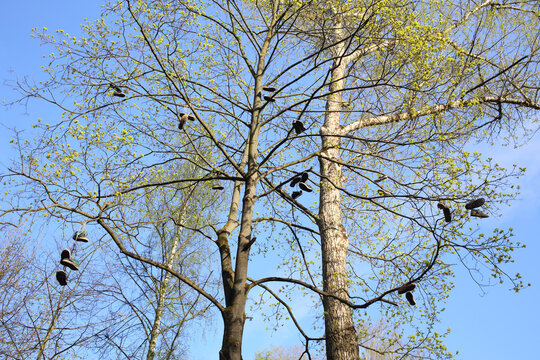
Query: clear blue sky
[(499, 325)]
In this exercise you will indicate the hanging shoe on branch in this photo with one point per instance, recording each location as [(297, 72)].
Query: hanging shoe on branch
[(80, 236), (479, 214), (117, 91), (66, 260), (269, 88), (475, 203), (298, 127), (305, 187), (410, 298), (405, 288), (446, 211), (61, 277), (296, 194)]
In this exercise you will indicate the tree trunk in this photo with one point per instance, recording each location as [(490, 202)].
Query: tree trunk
[(341, 338), (161, 297)]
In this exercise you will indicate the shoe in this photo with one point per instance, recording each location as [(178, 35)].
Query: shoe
[(383, 192), (80, 236), (475, 203), (218, 187), (405, 288), (380, 178), (269, 99), (119, 94), (115, 87), (447, 214), (410, 298), (298, 127), (305, 187), (269, 88), (446, 211), (181, 123), (296, 194), (61, 277), (479, 214), (295, 180), (70, 263), (66, 254)]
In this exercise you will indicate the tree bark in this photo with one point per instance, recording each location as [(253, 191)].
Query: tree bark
[(161, 297), (341, 338)]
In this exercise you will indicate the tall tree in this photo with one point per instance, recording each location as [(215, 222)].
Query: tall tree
[(393, 91)]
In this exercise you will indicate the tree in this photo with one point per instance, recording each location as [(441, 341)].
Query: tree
[(433, 82), (245, 85)]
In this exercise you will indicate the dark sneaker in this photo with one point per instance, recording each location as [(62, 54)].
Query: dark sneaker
[(410, 298), (66, 254), (298, 127), (296, 194), (269, 88), (447, 214), (479, 214), (405, 288), (61, 277), (383, 192), (70, 263), (295, 180), (80, 236), (119, 94), (218, 187), (305, 187), (269, 99), (181, 123), (446, 211), (475, 203)]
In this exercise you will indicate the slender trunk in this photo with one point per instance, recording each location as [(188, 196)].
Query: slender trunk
[(341, 338), (161, 297), (154, 333), (236, 295)]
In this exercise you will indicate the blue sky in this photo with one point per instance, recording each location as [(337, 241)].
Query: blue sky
[(497, 325)]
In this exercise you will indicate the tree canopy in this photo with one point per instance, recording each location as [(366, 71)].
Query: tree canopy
[(329, 136)]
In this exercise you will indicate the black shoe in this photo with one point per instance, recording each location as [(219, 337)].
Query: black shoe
[(296, 194), (405, 288), (475, 203), (295, 180), (80, 236), (410, 298), (447, 215), (479, 214), (298, 127), (269, 88), (70, 263), (119, 94), (305, 187), (66, 254), (269, 99), (61, 277), (446, 211), (218, 187), (181, 123), (383, 192)]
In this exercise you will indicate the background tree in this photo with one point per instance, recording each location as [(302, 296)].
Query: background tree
[(411, 82)]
